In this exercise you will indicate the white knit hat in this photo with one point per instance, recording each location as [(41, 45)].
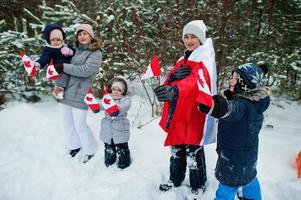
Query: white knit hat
[(197, 28), (119, 85), (85, 27)]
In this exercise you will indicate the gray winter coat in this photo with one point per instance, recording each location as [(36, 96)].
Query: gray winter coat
[(117, 128), (83, 68)]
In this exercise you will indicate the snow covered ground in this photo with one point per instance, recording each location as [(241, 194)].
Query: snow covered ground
[(34, 164)]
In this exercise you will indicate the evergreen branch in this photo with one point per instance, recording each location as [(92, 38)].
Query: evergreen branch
[(30, 14)]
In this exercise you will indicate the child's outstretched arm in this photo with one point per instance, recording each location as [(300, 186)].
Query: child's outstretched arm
[(124, 105), (231, 110)]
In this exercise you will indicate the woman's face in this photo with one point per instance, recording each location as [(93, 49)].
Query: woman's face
[(84, 37), (191, 42), (233, 81)]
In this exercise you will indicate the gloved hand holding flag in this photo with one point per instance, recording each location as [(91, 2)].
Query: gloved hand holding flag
[(28, 64), (153, 69), (109, 104), (91, 101), (51, 72)]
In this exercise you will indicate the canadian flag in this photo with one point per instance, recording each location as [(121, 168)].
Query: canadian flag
[(108, 103), (204, 95), (91, 101), (28, 64), (51, 73), (153, 69)]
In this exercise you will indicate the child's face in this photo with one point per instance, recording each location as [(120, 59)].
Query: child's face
[(116, 91), (84, 37), (56, 42), (233, 81), (191, 42)]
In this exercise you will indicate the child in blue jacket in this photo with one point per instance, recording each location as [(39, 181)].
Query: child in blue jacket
[(59, 52), (240, 120)]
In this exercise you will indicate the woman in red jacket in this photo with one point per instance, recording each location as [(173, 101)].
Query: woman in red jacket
[(187, 128)]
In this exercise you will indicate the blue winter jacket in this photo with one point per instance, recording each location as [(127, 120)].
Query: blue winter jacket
[(237, 139)]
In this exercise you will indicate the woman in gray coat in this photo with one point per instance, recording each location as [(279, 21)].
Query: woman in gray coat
[(115, 127), (83, 68)]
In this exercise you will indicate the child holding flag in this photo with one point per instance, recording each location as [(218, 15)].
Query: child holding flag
[(115, 127), (241, 118), (187, 128), (57, 51)]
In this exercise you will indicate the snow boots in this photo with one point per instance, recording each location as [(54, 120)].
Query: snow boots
[(164, 187), (110, 155), (73, 152), (86, 158), (121, 150)]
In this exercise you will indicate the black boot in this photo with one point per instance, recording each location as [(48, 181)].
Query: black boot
[(124, 158), (87, 158), (73, 152), (110, 154), (164, 187)]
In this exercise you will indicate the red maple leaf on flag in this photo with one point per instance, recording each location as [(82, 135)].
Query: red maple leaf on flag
[(89, 98), (106, 101), (27, 63), (201, 82), (50, 72)]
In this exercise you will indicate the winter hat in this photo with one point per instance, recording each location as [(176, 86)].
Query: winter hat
[(85, 27), (48, 29), (119, 85), (197, 28), (57, 34), (251, 76), (120, 79)]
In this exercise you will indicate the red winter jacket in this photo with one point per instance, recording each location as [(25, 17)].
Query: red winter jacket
[(187, 124)]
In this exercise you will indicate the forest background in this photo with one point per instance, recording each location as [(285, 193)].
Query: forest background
[(133, 31)]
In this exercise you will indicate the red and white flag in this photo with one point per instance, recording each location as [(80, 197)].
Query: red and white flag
[(51, 72), (153, 69), (28, 64), (91, 101), (108, 103), (204, 95)]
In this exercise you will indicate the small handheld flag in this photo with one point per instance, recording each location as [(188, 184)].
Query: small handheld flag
[(28, 64), (91, 101), (153, 69), (108, 103), (51, 72)]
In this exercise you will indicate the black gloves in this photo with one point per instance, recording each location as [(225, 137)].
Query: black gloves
[(115, 114), (59, 67), (219, 107), (165, 92), (180, 73)]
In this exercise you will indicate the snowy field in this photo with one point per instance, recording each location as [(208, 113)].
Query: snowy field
[(34, 164)]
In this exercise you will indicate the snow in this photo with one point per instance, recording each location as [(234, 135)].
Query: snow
[(34, 164)]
